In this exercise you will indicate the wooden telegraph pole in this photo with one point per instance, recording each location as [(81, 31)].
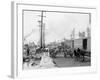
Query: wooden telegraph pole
[(73, 37), (42, 30)]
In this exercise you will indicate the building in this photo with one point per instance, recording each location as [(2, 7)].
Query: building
[(83, 43)]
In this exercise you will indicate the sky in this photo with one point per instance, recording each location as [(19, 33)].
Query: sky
[(57, 25)]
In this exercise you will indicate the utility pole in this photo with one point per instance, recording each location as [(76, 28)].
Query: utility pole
[(42, 30), (73, 37)]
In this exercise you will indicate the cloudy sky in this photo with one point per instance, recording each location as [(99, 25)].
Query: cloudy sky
[(57, 25)]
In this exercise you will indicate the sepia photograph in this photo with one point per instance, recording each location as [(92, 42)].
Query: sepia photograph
[(55, 39)]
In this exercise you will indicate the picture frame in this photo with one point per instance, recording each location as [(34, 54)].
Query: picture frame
[(17, 40)]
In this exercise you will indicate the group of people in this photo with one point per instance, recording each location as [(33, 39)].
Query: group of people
[(80, 54), (45, 62), (47, 54)]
